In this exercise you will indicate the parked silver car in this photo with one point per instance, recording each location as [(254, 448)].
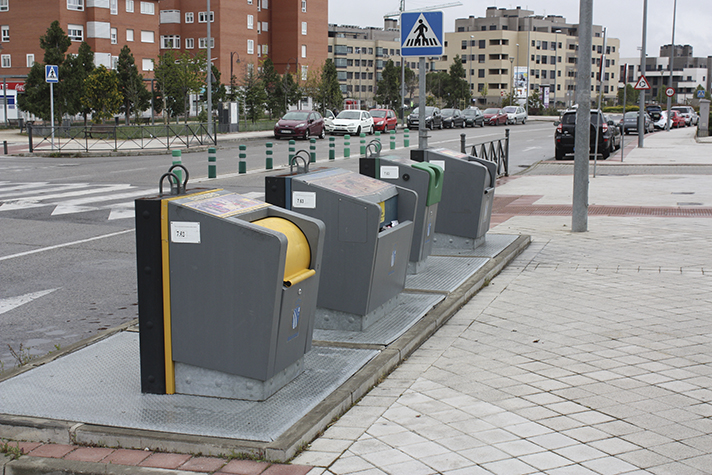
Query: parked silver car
[(516, 114)]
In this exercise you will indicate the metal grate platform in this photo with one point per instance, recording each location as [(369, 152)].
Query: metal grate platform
[(493, 245), (444, 273), (101, 385), (410, 308)]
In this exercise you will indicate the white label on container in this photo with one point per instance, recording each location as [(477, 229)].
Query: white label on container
[(304, 199), (440, 163), (185, 232), (389, 173)]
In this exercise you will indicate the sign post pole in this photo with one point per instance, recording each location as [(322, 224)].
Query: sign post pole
[(421, 36), (51, 76)]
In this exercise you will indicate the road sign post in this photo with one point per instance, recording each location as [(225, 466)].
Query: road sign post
[(422, 36), (52, 77), (669, 92), (642, 85)]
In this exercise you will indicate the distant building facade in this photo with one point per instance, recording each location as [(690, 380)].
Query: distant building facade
[(688, 73), (516, 50)]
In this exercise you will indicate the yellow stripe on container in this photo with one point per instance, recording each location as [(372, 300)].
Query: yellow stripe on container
[(296, 267)]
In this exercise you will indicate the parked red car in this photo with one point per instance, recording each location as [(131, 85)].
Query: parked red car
[(303, 124), (676, 120), (494, 116), (384, 119)]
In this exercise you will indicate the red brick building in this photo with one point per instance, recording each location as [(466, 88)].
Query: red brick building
[(107, 25), (293, 33)]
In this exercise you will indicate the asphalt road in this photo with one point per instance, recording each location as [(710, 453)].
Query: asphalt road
[(67, 248)]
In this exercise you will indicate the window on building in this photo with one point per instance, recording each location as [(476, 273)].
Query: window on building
[(341, 50), (189, 43), (75, 32), (249, 2), (480, 73), (147, 64), (250, 22), (265, 26), (340, 62), (114, 7), (129, 6), (189, 17), (304, 51), (203, 43), (170, 42), (114, 36), (481, 58), (6, 61), (250, 46), (463, 45), (304, 6), (148, 36), (203, 17), (5, 32), (30, 60), (129, 35), (482, 44), (75, 4), (304, 28), (4, 5), (265, 4), (148, 8)]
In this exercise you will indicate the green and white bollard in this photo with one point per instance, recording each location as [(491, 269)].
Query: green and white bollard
[(332, 148), (242, 167), (347, 146), (363, 144), (177, 161), (406, 138), (212, 163), (292, 151), (393, 139), (312, 150), (269, 161)]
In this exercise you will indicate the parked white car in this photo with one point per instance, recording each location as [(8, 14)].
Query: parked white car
[(516, 114), (687, 113), (353, 122), (329, 121)]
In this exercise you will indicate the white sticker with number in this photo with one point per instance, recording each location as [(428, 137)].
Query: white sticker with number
[(389, 173), (440, 163), (185, 232), (304, 199)]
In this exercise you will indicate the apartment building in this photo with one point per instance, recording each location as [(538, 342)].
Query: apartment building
[(293, 33), (688, 72), (106, 25), (516, 50), (360, 54)]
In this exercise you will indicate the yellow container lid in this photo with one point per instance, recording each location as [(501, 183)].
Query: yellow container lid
[(296, 267)]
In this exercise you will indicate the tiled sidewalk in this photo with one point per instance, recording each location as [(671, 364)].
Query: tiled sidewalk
[(589, 354)]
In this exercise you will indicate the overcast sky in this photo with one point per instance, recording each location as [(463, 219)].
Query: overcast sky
[(623, 18)]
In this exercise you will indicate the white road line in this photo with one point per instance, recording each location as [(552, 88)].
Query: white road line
[(101, 189), (13, 302), (59, 246)]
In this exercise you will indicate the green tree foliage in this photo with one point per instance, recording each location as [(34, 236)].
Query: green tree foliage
[(458, 91), (411, 82), (291, 89), (178, 76), (329, 94), (36, 99), (218, 90), (254, 95), (388, 88), (631, 95), (136, 97), (73, 73), (272, 84), (101, 94), (436, 83), (535, 104)]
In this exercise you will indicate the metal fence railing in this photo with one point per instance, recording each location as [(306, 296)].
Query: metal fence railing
[(496, 151), (115, 138)]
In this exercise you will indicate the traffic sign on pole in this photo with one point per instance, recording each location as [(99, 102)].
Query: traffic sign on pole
[(670, 91), (51, 73), (701, 94), (642, 84), (422, 34)]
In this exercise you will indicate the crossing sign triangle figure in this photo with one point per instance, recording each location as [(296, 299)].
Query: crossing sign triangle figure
[(422, 34)]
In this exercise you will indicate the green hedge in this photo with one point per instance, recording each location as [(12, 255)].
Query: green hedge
[(619, 109)]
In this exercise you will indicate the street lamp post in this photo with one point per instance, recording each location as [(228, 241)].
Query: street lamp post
[(469, 66), (517, 58), (210, 80), (511, 80)]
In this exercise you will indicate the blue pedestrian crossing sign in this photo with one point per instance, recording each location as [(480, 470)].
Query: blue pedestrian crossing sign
[(51, 73), (422, 34), (701, 94)]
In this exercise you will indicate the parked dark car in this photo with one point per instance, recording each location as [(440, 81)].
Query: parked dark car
[(565, 136), (433, 118), (629, 123), (494, 116), (302, 124), (453, 118), (616, 134), (654, 110), (384, 119), (473, 116)]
